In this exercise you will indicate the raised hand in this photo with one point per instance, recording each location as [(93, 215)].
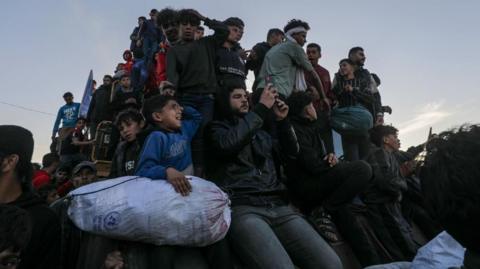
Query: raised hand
[(269, 95), (280, 109)]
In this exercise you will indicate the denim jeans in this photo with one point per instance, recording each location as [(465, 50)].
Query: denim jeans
[(205, 105), (395, 265), (139, 74), (277, 237), (150, 46)]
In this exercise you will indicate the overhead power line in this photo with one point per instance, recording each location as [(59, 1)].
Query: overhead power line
[(27, 109)]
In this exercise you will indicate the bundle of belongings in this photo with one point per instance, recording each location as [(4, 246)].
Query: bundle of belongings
[(150, 211)]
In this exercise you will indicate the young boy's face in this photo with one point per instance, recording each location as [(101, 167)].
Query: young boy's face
[(61, 176), (170, 117), (83, 177), (80, 124), (52, 197), (129, 129), (236, 34)]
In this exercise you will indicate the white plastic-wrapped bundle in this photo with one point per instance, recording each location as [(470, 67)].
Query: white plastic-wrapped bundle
[(150, 211)]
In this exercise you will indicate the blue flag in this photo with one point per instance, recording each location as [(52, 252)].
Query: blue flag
[(87, 96)]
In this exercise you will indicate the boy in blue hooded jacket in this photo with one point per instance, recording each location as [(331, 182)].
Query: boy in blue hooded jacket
[(166, 152)]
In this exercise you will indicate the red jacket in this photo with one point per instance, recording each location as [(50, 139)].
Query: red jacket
[(161, 66), (128, 66), (41, 178), (326, 82)]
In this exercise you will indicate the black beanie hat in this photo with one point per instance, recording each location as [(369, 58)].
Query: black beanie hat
[(16, 140), (297, 102)]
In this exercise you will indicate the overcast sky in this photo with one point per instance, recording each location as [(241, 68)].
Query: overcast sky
[(425, 52)]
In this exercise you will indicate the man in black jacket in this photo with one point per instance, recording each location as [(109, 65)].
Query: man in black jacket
[(16, 149), (315, 176), (265, 231), (191, 69), (15, 229), (100, 108), (386, 191), (256, 56)]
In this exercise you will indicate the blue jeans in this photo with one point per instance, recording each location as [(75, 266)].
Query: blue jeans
[(139, 74), (395, 265), (205, 105), (277, 237), (150, 46)]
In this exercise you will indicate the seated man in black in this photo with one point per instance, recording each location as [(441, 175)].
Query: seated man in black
[(385, 194), (265, 232), (315, 176)]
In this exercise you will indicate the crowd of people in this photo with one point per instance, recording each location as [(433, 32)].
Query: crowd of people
[(179, 106)]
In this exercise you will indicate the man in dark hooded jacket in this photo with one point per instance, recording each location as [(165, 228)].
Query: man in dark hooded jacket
[(16, 149), (100, 108), (265, 232)]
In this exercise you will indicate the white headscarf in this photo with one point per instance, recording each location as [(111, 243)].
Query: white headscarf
[(300, 83)]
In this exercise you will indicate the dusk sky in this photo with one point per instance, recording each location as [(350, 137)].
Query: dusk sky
[(425, 52)]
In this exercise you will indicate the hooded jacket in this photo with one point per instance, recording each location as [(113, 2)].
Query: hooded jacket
[(162, 149), (125, 159), (242, 155), (43, 250), (310, 162), (230, 64), (100, 106)]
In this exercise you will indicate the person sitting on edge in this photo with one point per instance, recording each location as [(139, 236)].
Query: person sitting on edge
[(265, 232), (316, 177), (166, 156), (385, 193), (67, 115)]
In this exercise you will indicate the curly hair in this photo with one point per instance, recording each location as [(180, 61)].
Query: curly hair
[(167, 16), (188, 16), (296, 23), (451, 183)]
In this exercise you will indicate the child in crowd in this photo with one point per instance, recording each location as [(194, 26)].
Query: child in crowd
[(50, 162), (166, 153), (130, 123), (48, 193), (73, 148)]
